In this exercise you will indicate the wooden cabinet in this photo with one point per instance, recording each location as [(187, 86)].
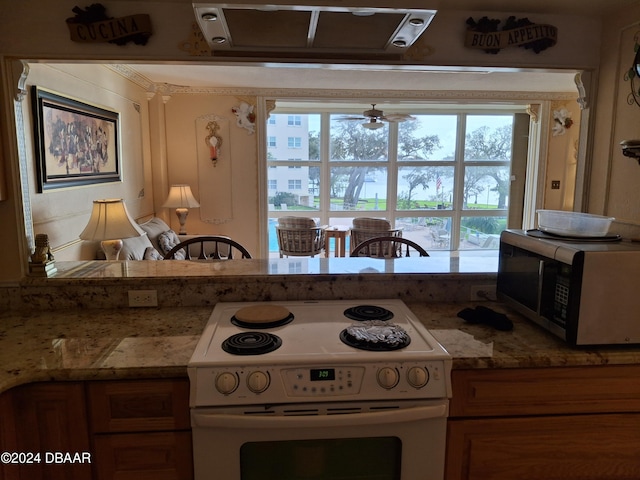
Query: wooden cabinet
[(576, 423), (137, 429), (141, 429), (48, 419)]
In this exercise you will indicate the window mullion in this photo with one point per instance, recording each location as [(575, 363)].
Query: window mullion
[(392, 172), (325, 171), (456, 213)]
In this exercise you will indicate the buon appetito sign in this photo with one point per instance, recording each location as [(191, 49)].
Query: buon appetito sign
[(484, 35)]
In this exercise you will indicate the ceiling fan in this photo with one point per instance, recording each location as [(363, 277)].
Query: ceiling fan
[(376, 117)]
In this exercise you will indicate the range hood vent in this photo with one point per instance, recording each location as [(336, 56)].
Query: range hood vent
[(309, 31)]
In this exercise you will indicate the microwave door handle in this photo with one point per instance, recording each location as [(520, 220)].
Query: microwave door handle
[(221, 420), (541, 269)]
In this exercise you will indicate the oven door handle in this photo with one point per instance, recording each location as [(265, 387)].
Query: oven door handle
[(221, 420)]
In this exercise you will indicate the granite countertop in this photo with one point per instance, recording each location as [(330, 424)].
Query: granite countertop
[(439, 262), (155, 343)]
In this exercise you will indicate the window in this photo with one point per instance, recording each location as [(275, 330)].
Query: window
[(294, 142), (443, 177), (271, 141), (273, 184), (294, 120)]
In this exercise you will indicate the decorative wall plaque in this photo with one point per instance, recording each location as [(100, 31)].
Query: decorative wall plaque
[(92, 25), (521, 32)]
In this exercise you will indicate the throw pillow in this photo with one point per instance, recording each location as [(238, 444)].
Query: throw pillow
[(169, 239), (133, 248), (154, 227), (152, 254)]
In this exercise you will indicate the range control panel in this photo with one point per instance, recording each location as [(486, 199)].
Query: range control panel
[(266, 384)]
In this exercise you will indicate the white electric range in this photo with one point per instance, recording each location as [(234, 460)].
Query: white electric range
[(302, 391)]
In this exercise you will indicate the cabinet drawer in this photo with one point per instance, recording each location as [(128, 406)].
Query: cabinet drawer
[(142, 456), (594, 389), (139, 405)]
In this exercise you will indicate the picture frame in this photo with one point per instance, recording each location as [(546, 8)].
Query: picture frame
[(76, 143)]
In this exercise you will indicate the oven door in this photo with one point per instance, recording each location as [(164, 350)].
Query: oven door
[(345, 441)]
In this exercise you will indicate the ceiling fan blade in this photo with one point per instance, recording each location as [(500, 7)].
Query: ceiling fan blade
[(351, 118), (397, 117)]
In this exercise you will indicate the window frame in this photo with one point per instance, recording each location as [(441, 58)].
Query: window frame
[(392, 212)]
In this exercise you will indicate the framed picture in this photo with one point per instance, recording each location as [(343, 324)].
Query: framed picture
[(76, 143)]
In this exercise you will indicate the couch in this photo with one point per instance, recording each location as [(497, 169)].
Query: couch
[(159, 239)]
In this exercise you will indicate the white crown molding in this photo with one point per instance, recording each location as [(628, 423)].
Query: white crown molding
[(484, 95)]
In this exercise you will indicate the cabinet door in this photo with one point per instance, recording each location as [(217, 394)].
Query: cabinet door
[(144, 456), (48, 419), (577, 447), (141, 429)]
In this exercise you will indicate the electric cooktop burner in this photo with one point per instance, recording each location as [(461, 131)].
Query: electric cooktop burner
[(362, 313), (262, 325), (375, 335), (262, 316), (251, 343)]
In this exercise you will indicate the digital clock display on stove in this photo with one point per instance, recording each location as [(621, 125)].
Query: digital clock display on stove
[(321, 374)]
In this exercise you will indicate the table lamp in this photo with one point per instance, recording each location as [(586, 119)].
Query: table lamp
[(181, 198), (110, 223)]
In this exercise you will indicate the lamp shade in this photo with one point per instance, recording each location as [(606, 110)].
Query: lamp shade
[(180, 196), (110, 220)]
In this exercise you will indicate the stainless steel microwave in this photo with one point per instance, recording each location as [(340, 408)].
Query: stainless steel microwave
[(585, 292)]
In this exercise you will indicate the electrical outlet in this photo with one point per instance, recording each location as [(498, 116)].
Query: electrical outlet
[(483, 292), (143, 298), (555, 184)]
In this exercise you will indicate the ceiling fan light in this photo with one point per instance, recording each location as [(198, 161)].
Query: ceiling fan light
[(372, 125), (399, 43)]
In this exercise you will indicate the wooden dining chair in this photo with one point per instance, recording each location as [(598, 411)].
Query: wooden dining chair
[(212, 247), (364, 228), (387, 247), (300, 237)]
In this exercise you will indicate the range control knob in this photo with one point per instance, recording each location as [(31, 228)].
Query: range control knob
[(388, 377), (418, 377), (226, 382), (258, 381)]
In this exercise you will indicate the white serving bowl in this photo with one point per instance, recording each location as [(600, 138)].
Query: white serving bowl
[(573, 224)]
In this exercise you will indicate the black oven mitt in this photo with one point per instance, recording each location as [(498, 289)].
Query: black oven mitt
[(485, 315)]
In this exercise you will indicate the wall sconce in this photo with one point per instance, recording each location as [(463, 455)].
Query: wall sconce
[(213, 141), (181, 198), (110, 222), (631, 148)]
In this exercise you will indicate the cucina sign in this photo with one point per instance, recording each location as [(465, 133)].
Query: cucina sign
[(93, 26)]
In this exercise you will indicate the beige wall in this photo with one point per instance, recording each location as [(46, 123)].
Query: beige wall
[(228, 192), (562, 158), (230, 187), (614, 178), (63, 213), (36, 29)]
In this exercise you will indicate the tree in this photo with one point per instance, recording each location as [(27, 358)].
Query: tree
[(351, 142), (416, 178), (487, 144), (354, 143)]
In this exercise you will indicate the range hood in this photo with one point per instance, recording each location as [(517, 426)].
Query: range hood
[(308, 32)]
